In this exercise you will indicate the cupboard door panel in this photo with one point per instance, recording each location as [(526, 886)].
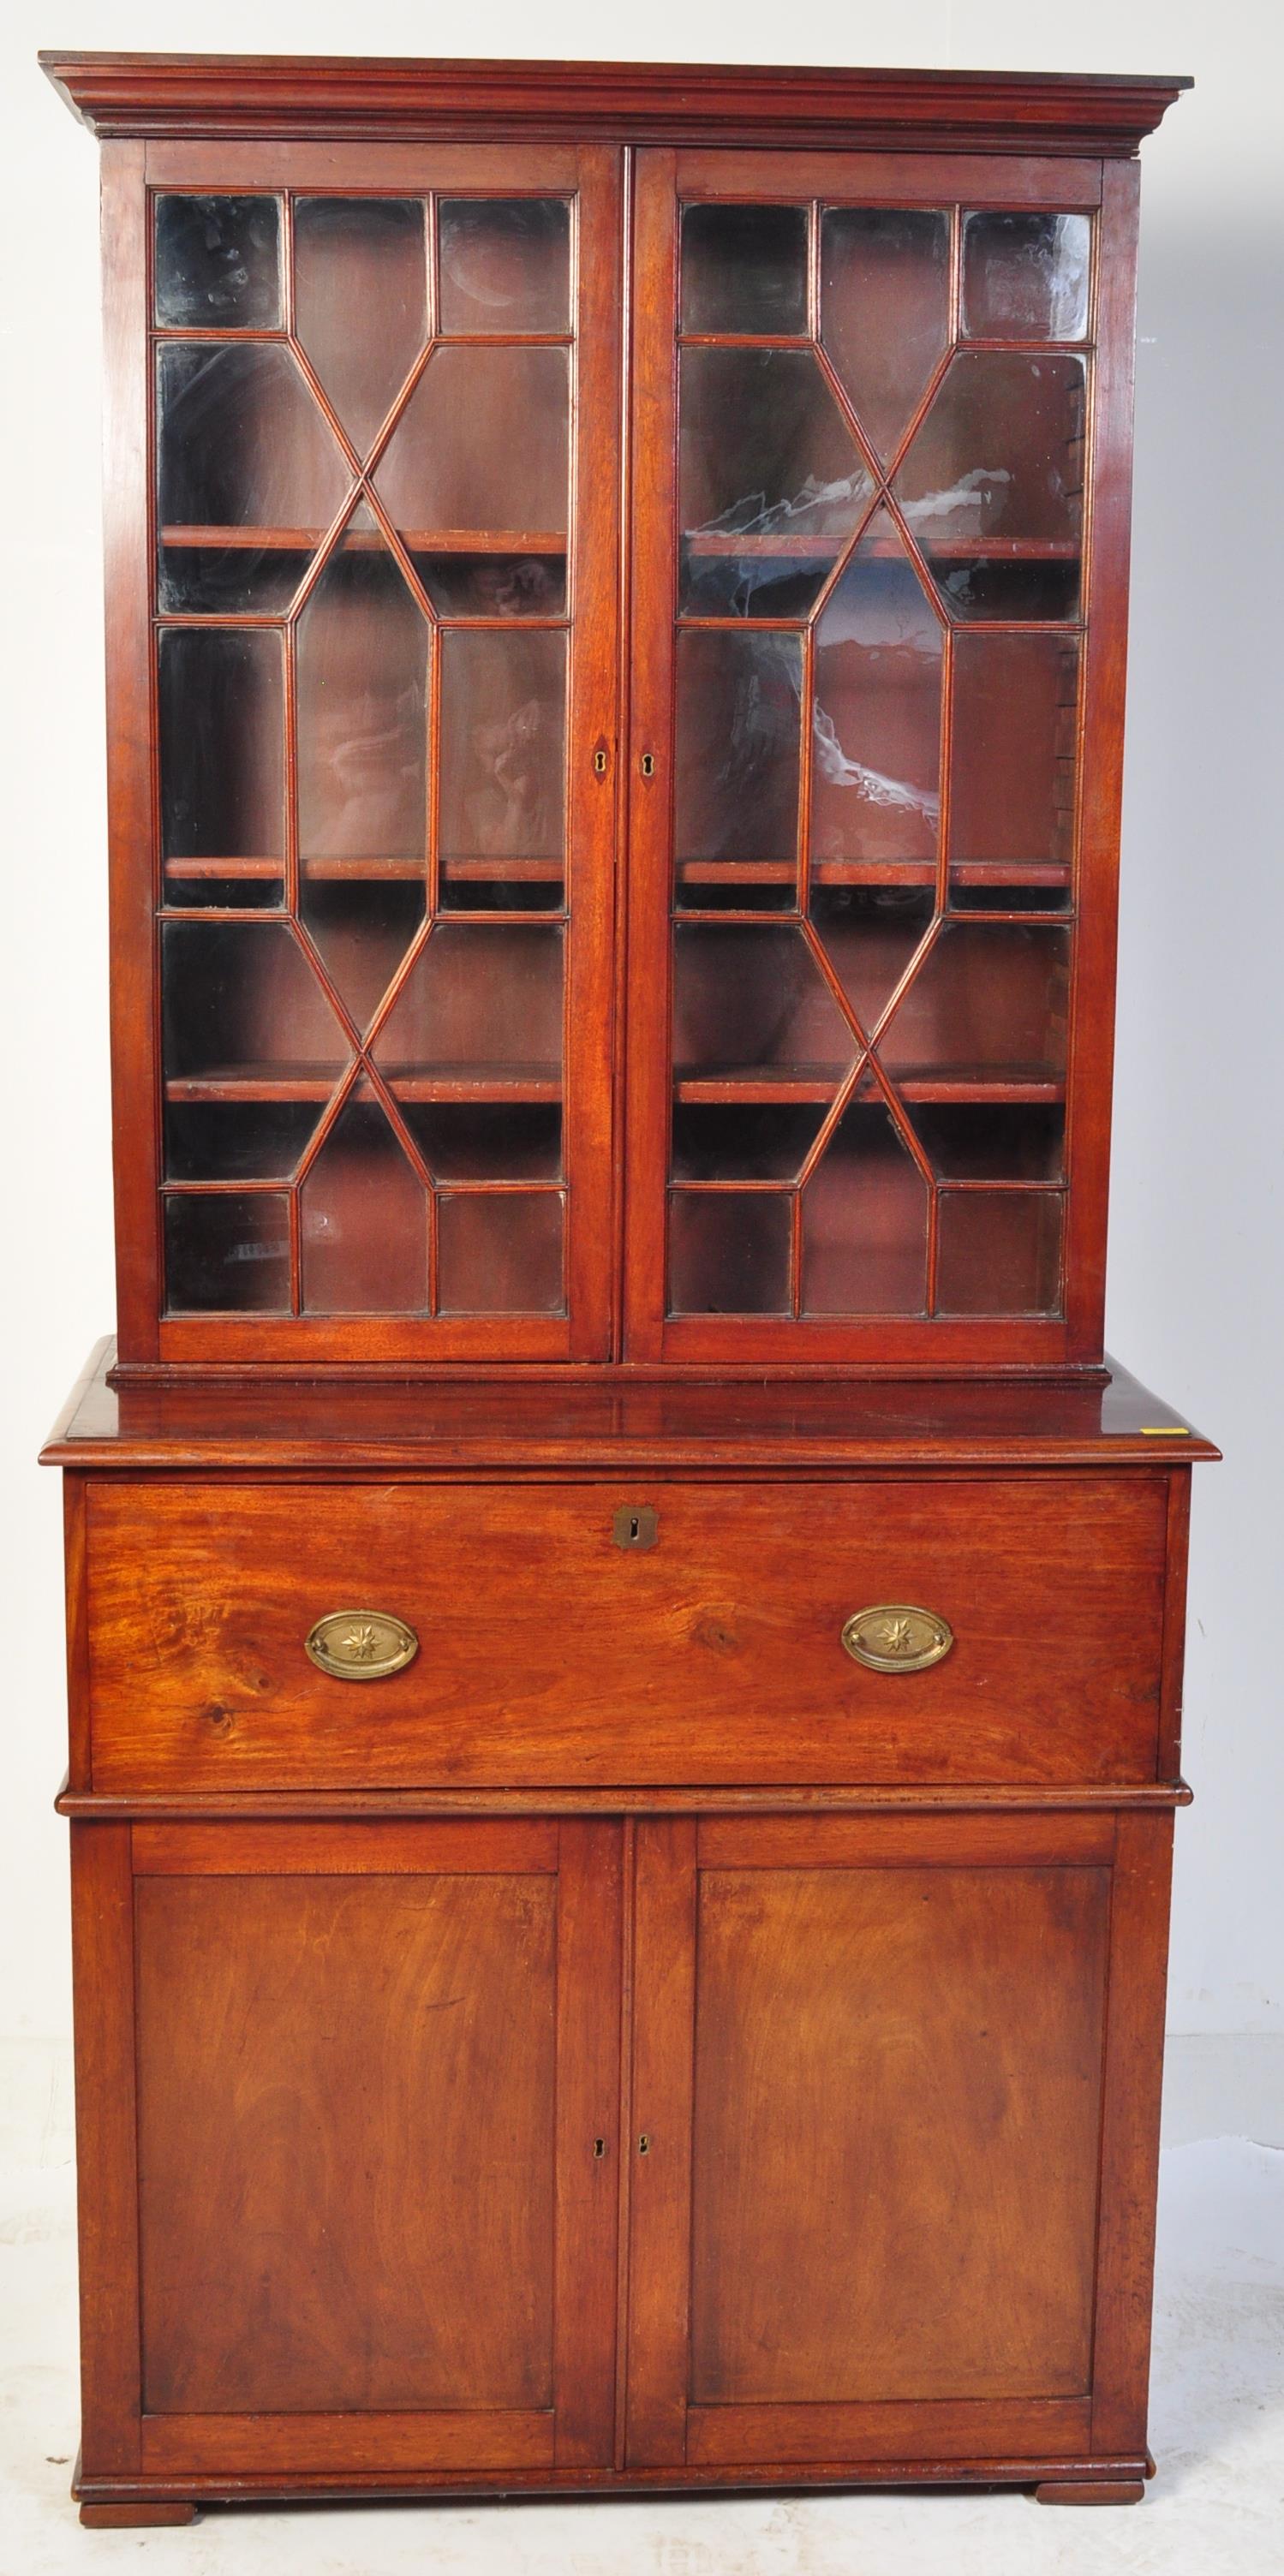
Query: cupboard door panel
[(372, 2066), (873, 2067), (904, 2206)]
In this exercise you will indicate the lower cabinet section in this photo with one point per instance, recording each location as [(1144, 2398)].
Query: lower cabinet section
[(375, 2073), (380, 2149)]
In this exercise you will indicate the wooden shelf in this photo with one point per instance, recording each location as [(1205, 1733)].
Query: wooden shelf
[(418, 541), (825, 546), (503, 871), (736, 1087), (245, 1083), (345, 870), (195, 871), (873, 872)]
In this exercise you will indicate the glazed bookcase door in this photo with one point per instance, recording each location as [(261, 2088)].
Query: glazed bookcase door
[(381, 613), (877, 604)]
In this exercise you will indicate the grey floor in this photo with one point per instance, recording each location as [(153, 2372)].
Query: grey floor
[(1217, 2422)]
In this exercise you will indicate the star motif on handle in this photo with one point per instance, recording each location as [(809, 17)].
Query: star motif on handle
[(361, 1644), (898, 1637)]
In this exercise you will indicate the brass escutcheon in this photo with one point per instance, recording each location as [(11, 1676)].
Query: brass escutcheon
[(361, 1645), (895, 1637)]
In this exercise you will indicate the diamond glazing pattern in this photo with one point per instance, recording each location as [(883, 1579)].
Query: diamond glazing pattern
[(362, 615), (881, 472)]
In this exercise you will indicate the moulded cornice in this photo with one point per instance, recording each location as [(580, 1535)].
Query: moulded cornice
[(323, 98)]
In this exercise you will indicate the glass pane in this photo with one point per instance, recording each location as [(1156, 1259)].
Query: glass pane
[(999, 1253), (224, 577), (737, 747), (876, 717), (1025, 277), (525, 885), (360, 300), (865, 1221), (362, 932), (228, 1253), (500, 1253), (482, 446), (987, 1004), (218, 263), (363, 712), (487, 1141), (1013, 765), (767, 466), (992, 485), (236, 1140), (729, 1252), (744, 268), (964, 1141), (222, 760), (754, 1141), (242, 443), (884, 309), (734, 885), (503, 735), (745, 997), (505, 264), (870, 937), (479, 999), (496, 586), (363, 1221), (362, 769), (240, 1003)]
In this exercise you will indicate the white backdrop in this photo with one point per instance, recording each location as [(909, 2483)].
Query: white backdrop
[(1197, 1243)]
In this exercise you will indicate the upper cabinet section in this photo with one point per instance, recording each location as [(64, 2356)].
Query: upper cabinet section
[(862, 694), (383, 620), (550, 932)]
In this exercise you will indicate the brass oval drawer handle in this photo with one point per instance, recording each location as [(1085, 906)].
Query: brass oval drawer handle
[(361, 1645), (894, 1637)]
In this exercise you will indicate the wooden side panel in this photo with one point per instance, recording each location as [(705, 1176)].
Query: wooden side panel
[(102, 1961), (1172, 1682), (76, 1587), (1092, 999), (713, 1656), (1130, 2130), (131, 836)]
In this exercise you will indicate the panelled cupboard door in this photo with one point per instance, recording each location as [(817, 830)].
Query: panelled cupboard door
[(351, 2177), (880, 2067), (378, 615), (880, 425)]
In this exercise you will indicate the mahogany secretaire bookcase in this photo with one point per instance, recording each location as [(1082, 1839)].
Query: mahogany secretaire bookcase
[(625, 1645)]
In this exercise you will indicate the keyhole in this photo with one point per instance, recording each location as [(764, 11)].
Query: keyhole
[(599, 2147), (648, 764), (644, 2145)]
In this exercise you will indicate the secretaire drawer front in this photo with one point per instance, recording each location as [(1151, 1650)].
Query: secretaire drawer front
[(915, 1629)]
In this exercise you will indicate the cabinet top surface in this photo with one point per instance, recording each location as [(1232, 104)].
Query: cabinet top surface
[(237, 95), (441, 1426)]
